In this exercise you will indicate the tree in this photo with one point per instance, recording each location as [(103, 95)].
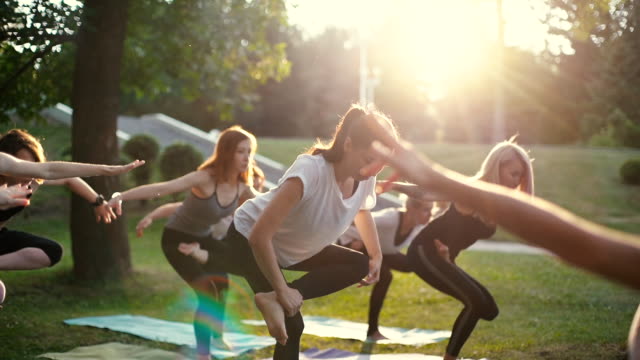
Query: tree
[(185, 48)]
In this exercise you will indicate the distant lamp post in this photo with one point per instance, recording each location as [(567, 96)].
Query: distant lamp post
[(498, 112), (364, 70), (369, 80), (372, 82)]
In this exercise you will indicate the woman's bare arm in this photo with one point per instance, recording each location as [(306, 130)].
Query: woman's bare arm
[(13, 166)]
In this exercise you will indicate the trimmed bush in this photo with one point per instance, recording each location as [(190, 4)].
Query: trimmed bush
[(142, 147), (179, 159), (630, 172)]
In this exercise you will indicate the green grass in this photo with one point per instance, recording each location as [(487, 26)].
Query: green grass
[(547, 309)]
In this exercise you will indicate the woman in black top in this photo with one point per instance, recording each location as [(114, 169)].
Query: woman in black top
[(433, 253)]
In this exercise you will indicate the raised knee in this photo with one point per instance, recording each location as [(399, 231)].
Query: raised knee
[(54, 252), (489, 312)]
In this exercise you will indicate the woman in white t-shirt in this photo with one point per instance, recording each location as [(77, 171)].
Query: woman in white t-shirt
[(294, 227), (397, 227)]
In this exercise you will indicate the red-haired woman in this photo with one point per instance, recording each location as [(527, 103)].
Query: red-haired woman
[(216, 188)]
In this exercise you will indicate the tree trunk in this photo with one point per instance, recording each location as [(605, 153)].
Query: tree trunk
[(100, 252)]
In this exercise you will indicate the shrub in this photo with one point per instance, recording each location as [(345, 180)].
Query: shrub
[(630, 172), (179, 159), (142, 147)]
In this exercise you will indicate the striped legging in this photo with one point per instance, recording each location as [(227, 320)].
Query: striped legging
[(453, 281)]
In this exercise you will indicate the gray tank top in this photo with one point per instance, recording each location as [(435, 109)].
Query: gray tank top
[(196, 215)]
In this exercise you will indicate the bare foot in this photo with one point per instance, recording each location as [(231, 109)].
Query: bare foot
[(376, 336), (273, 314), (203, 357), (193, 250)]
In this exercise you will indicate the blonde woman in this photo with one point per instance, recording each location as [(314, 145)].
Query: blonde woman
[(433, 253)]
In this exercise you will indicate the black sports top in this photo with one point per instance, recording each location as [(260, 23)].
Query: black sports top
[(456, 230)]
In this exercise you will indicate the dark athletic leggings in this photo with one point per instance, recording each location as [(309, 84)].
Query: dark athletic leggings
[(453, 281), (332, 269), (13, 241), (209, 287), (397, 262)]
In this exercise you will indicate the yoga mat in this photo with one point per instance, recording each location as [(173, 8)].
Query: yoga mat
[(335, 354), (172, 332), (113, 351), (343, 329)]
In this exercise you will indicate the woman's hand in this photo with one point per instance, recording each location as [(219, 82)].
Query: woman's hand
[(12, 196), (110, 170), (104, 213), (116, 203), (443, 250), (407, 162), (144, 223), (374, 272), (290, 299)]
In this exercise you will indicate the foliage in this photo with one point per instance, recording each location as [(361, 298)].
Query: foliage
[(216, 55), (215, 52), (630, 172), (602, 76), (322, 84), (35, 60), (179, 159)]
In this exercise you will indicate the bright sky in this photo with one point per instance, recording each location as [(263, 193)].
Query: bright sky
[(440, 36)]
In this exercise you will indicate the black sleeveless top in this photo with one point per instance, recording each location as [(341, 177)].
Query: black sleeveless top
[(456, 230)]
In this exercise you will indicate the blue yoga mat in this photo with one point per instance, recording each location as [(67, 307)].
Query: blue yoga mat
[(336, 354), (344, 329), (172, 332)]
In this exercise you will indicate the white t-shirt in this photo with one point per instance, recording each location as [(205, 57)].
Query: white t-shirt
[(387, 223), (320, 217)]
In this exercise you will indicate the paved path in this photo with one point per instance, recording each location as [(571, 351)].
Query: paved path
[(507, 247)]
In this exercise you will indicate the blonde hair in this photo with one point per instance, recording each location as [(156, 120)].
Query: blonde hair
[(501, 153)]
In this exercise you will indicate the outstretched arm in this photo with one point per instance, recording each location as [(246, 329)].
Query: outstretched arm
[(101, 209), (367, 229), (612, 254), (152, 191), (409, 189), (13, 166), (161, 212)]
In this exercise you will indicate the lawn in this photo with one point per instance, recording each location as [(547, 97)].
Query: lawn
[(547, 309)]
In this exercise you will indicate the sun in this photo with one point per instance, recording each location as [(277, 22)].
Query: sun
[(444, 42)]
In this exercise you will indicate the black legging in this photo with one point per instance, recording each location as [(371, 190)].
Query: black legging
[(397, 262), (208, 286), (332, 269), (13, 241), (451, 280)]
